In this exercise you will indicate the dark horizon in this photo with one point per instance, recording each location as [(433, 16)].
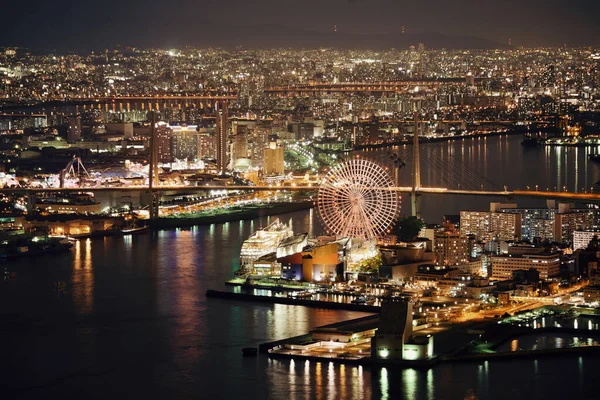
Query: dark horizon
[(86, 26)]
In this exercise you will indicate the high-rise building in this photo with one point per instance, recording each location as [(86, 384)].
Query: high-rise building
[(207, 144), (74, 128), (491, 225), (451, 248), (581, 239), (476, 223), (240, 145), (184, 143), (163, 137), (222, 132), (257, 145), (506, 226), (566, 223), (273, 159)]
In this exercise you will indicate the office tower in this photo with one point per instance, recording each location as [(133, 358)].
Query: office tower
[(222, 132)]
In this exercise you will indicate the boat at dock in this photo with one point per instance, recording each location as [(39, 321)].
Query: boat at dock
[(134, 229), (301, 295), (532, 141), (363, 301)]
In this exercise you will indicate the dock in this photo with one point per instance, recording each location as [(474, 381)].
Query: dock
[(330, 305)]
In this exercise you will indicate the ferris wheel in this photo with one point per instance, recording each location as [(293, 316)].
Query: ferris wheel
[(356, 200)]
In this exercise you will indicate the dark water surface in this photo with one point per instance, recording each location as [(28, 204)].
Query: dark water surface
[(502, 160), (128, 318)]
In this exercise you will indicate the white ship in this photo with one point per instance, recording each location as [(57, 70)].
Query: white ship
[(263, 242)]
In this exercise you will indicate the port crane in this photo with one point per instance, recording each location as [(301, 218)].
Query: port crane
[(74, 170)]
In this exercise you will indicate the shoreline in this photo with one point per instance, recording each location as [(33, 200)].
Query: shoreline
[(329, 305), (452, 357)]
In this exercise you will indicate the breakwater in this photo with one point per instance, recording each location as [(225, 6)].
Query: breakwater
[(291, 301)]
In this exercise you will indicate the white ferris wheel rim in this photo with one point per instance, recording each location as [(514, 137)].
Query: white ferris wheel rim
[(355, 200)]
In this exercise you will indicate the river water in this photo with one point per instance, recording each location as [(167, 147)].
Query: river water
[(499, 161), (128, 318)]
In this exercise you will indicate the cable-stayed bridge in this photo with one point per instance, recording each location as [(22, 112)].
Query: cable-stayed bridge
[(408, 165)]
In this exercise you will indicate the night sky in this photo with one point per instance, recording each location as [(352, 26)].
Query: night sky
[(88, 25)]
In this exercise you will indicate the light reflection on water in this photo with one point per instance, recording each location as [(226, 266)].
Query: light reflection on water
[(542, 341), (136, 321)]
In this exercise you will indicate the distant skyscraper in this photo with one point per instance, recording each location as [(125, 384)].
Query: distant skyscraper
[(73, 128), (222, 130), (164, 135)]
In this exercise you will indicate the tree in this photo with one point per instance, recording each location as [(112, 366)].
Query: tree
[(370, 264), (408, 229)]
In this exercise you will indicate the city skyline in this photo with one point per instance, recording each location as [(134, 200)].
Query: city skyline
[(85, 26), (363, 199)]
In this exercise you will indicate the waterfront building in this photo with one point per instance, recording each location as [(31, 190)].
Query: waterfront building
[(73, 204), (263, 242), (317, 262), (394, 338), (548, 265), (591, 294), (67, 225), (266, 265), (291, 266), (321, 263)]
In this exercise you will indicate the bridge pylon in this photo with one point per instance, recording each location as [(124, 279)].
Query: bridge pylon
[(416, 181)]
